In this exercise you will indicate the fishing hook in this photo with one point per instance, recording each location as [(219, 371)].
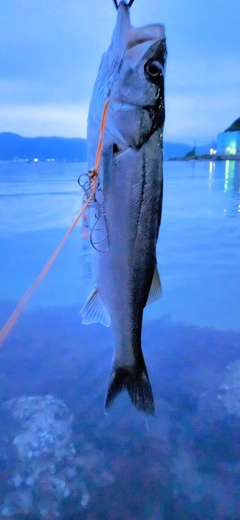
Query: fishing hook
[(99, 243), (130, 3)]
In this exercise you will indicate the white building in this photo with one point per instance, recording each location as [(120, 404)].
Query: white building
[(228, 142)]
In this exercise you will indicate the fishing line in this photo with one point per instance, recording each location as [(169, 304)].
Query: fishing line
[(93, 176)]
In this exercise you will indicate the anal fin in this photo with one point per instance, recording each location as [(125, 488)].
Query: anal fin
[(156, 288), (94, 310)]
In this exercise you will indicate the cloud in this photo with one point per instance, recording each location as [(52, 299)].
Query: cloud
[(190, 117), (35, 120), (49, 59)]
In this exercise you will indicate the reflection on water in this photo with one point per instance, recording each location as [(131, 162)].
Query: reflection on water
[(232, 176), (226, 175), (212, 165), (229, 171)]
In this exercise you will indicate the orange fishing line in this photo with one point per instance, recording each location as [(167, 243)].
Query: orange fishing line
[(93, 176)]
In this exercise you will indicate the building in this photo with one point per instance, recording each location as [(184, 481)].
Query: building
[(228, 142)]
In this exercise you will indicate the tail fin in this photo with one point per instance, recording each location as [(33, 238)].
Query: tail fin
[(138, 386)]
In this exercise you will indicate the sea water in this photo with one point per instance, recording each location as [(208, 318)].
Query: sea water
[(185, 463)]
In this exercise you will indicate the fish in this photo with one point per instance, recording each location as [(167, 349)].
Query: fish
[(128, 203)]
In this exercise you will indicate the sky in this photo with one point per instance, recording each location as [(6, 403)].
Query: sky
[(50, 52)]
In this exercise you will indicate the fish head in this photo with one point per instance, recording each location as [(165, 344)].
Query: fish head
[(131, 76), (137, 107)]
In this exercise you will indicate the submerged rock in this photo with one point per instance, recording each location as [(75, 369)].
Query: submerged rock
[(47, 471), (229, 391)]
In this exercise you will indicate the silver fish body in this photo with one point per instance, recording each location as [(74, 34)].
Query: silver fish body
[(131, 182)]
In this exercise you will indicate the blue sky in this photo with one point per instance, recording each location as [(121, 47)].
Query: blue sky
[(50, 52)]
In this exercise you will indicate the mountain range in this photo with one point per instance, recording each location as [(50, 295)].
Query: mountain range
[(16, 147)]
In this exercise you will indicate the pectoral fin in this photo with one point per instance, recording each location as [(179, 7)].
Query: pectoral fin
[(156, 288), (94, 310)]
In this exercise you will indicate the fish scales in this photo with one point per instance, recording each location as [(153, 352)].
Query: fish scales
[(131, 180), (132, 236)]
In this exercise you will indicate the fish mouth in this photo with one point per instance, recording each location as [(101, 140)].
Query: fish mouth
[(148, 33), (134, 43)]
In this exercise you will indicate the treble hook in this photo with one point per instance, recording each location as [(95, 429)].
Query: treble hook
[(130, 3)]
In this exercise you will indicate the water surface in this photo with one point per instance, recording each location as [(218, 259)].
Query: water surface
[(184, 463)]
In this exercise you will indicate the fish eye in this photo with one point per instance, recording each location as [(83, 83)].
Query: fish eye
[(153, 68)]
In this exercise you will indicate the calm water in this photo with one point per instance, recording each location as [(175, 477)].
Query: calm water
[(184, 464)]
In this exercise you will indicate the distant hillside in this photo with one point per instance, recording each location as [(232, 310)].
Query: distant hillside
[(173, 150), (14, 146), (235, 127)]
